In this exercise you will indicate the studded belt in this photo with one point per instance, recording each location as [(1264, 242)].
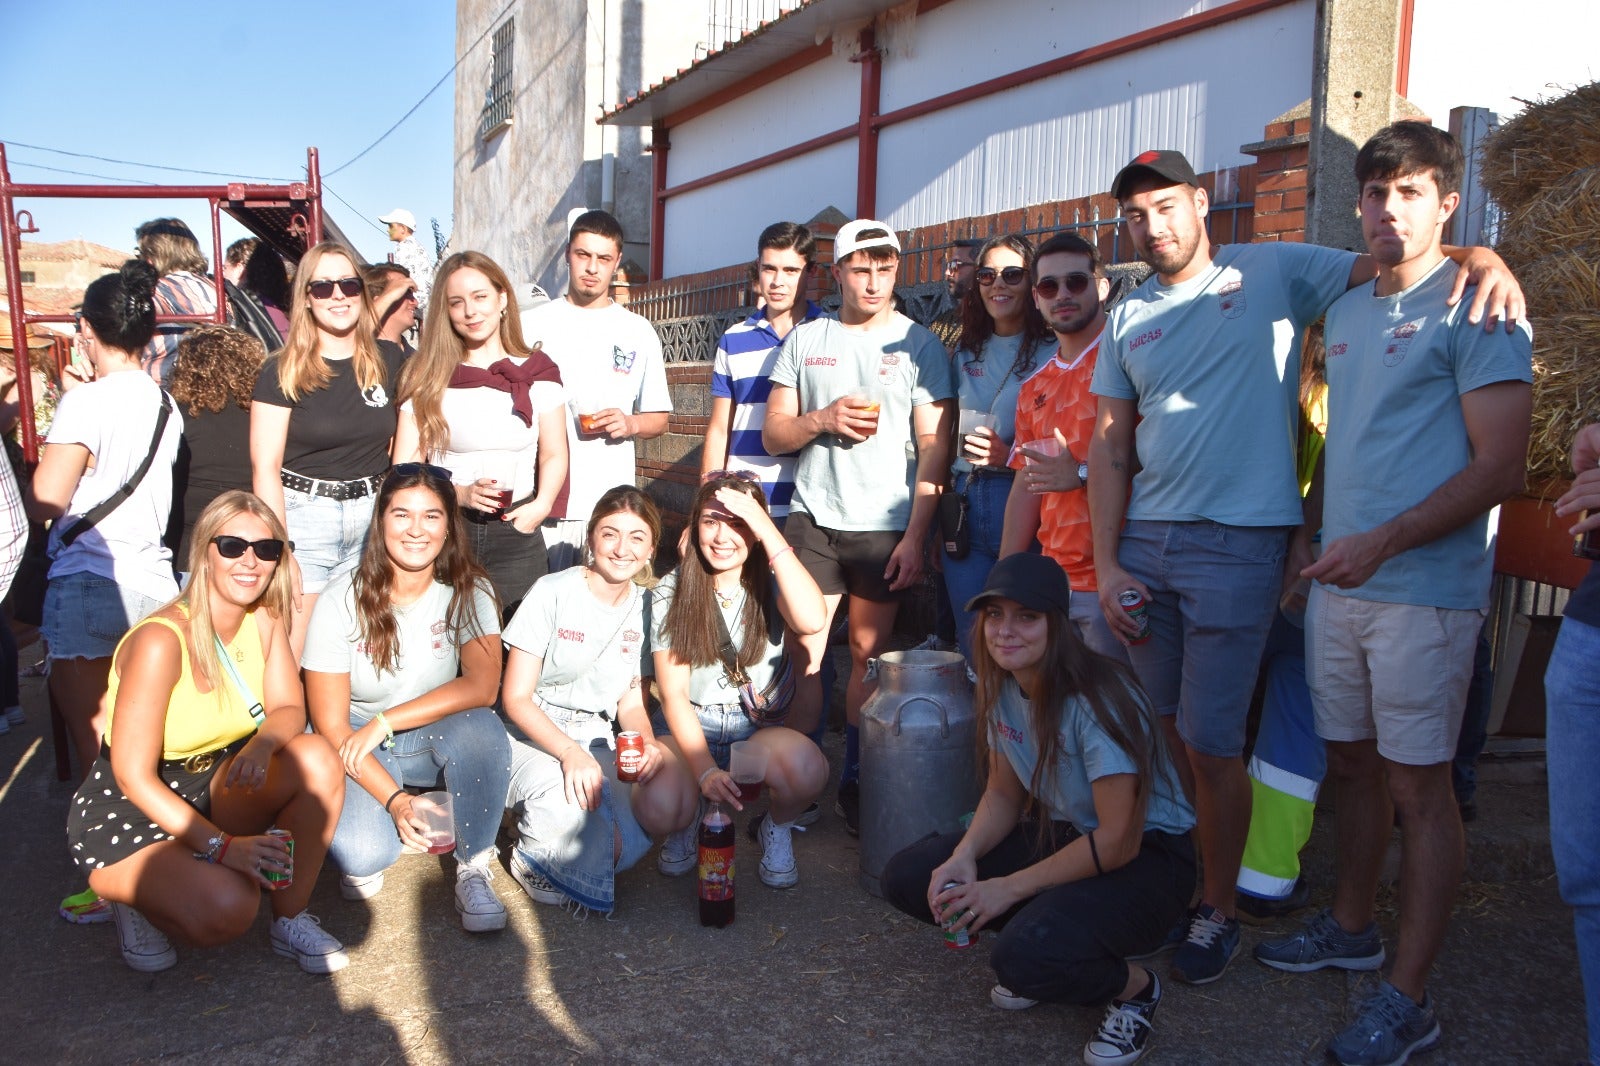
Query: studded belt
[(333, 490)]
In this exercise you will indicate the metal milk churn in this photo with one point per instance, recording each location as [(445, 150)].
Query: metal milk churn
[(918, 774)]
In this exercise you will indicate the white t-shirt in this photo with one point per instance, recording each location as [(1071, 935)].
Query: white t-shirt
[(429, 654), (484, 431), (592, 653), (611, 357), (708, 682), (114, 417)]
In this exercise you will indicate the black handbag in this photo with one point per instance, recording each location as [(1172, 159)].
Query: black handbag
[(953, 525)]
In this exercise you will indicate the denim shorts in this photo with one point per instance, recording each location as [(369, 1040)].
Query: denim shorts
[(1214, 592), (722, 723), (85, 615), (327, 534)]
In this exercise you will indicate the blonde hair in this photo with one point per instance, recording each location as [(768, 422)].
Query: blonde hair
[(427, 373), (169, 245), (301, 367)]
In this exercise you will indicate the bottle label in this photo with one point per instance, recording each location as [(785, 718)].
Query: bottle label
[(716, 873)]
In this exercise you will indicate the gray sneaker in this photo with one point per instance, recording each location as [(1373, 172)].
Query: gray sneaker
[(1323, 942), (1388, 1029)]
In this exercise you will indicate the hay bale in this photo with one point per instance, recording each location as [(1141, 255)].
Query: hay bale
[(1566, 389), (1565, 216), (1561, 283), (1550, 139)]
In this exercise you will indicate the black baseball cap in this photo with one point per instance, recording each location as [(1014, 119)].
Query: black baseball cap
[(1169, 165), (1035, 581)]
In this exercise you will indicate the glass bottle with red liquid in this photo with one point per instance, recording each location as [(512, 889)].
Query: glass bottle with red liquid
[(716, 868)]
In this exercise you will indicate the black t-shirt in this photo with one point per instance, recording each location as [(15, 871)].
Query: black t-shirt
[(213, 457), (337, 433)]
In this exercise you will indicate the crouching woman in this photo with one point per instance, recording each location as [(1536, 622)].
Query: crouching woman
[(1078, 853)]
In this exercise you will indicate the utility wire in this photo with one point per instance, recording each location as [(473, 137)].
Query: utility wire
[(492, 25), (131, 163), (361, 214), (78, 173)]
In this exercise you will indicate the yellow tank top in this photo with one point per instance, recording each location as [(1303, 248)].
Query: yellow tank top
[(203, 721)]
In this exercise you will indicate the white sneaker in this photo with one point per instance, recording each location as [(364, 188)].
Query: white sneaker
[(144, 947), (14, 716), (481, 910), (534, 883), (777, 869), (680, 852), (1005, 999), (303, 939), (351, 887)]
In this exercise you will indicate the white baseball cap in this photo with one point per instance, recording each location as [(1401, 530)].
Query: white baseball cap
[(849, 238), (402, 216)]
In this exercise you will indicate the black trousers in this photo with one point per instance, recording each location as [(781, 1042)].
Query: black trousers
[(1067, 944), (514, 560)]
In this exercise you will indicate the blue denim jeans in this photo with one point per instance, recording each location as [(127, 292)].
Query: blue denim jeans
[(1572, 751), (327, 534), (86, 615), (573, 848), (964, 578), (466, 753)]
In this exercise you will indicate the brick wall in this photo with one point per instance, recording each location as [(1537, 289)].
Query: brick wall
[(1282, 178)]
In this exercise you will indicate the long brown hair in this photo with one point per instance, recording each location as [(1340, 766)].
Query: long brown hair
[(691, 620), (1068, 670), (455, 567), (427, 373), (301, 367), (976, 325)]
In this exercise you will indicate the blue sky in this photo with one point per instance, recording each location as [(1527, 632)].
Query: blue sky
[(204, 86)]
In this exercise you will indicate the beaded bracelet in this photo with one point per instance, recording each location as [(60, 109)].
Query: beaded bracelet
[(388, 740)]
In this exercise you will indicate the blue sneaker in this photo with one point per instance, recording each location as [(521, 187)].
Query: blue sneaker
[(1323, 942), (1213, 943), (1388, 1029)]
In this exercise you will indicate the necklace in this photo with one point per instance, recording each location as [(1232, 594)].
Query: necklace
[(727, 601)]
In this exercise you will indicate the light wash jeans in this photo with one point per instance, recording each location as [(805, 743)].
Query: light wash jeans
[(327, 534), (964, 578), (1572, 751), (466, 753)]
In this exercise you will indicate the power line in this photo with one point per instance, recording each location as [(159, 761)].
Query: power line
[(459, 60), (77, 173), (131, 163), (361, 214)]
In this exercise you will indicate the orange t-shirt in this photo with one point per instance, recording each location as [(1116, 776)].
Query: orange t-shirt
[(1057, 396)]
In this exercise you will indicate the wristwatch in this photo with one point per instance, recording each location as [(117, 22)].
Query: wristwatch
[(1083, 473)]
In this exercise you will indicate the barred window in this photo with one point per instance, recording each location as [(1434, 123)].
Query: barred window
[(497, 100)]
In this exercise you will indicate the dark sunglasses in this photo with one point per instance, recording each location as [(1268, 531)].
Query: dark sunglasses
[(323, 289), (268, 551), (1010, 275), (413, 469), (1075, 283)]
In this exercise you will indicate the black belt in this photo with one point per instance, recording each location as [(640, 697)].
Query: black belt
[(333, 490), (992, 471)]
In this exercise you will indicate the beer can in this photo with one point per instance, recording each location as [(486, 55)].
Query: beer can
[(956, 939), (1134, 604), (630, 755), (281, 878)]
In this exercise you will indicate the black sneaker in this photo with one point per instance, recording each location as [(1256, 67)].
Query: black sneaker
[(1213, 943), (847, 805), (1255, 909), (1323, 942), (1176, 936), (1124, 1030)]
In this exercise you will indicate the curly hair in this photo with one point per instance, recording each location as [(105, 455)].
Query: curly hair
[(976, 325), (217, 365)]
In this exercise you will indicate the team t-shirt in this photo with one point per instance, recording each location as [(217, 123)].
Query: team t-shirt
[(611, 357), (991, 384), (593, 653), (341, 432), (708, 682), (1056, 397), (862, 485), (429, 650), (1086, 754), (1214, 363), (114, 417), (1397, 368)]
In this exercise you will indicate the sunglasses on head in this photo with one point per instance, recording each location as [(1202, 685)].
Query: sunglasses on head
[(1010, 275), (1075, 283), (323, 289), (413, 469), (268, 551)]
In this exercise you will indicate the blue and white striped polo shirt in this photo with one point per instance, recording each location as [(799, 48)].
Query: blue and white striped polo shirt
[(745, 356)]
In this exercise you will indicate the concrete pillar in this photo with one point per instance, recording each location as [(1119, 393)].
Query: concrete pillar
[(1355, 55)]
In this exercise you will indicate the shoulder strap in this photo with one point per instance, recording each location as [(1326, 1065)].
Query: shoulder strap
[(258, 713), (116, 499), (728, 653)]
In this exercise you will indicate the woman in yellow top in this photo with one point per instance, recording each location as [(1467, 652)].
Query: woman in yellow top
[(205, 739)]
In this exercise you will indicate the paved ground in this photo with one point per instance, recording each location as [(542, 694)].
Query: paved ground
[(821, 974)]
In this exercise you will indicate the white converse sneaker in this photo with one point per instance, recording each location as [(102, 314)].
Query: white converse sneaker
[(353, 888), (680, 852), (534, 883), (481, 910), (777, 868), (144, 947), (303, 939), (1005, 999)]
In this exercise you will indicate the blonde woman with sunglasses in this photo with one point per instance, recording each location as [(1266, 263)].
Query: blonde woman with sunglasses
[(321, 422)]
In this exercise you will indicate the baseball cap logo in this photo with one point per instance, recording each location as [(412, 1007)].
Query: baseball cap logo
[(1147, 157)]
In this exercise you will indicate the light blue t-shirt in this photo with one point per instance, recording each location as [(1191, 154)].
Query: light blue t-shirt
[(708, 682), (865, 485), (1086, 754), (991, 384), (1397, 368), (593, 653), (1214, 363)]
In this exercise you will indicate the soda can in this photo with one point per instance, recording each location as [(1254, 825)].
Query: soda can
[(280, 879), (630, 755), (1134, 604), (956, 939)]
